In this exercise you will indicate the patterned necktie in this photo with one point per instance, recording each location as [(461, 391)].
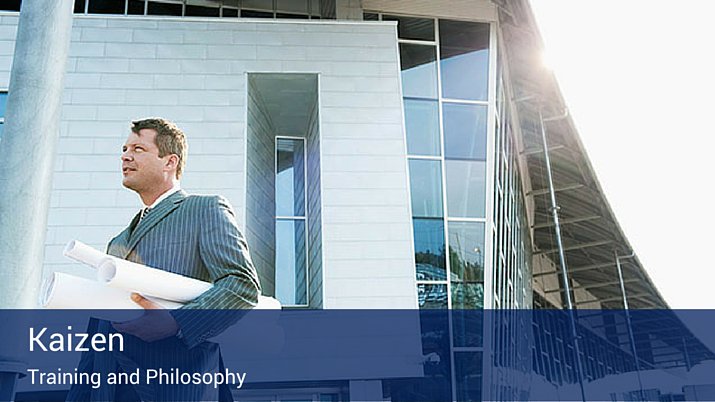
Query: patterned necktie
[(144, 213)]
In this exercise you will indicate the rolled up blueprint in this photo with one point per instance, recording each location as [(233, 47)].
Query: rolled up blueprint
[(127, 275), (83, 253), (64, 291), (117, 279), (267, 303)]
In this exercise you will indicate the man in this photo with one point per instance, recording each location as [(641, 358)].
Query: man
[(190, 235), (195, 236)]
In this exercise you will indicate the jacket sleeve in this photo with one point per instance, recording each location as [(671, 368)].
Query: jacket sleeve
[(224, 252)]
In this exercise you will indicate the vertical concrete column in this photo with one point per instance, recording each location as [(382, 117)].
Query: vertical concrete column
[(27, 151), (27, 147)]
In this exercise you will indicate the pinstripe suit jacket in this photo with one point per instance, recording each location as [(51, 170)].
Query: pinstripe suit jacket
[(195, 236)]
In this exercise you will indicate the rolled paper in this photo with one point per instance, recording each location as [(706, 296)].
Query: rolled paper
[(65, 291), (83, 253), (267, 303), (117, 278), (130, 276)]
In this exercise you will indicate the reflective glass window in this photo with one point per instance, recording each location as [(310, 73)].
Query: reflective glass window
[(10, 5), (466, 251), (467, 296), (3, 104), (157, 8), (229, 12), (292, 16), (314, 8), (422, 126), (258, 4), (136, 7), (466, 188), (429, 249), (290, 253), (291, 263), (369, 17), (419, 70), (412, 27), (465, 131), (106, 7), (78, 6), (256, 14), (290, 177), (468, 375), (202, 11), (426, 187), (292, 6), (467, 324), (432, 296), (327, 9), (464, 59)]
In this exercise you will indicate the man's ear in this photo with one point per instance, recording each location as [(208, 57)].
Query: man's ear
[(172, 162)]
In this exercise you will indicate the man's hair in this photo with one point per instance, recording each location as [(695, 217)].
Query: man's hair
[(169, 139)]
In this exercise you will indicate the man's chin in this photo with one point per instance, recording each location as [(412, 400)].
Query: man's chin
[(127, 183)]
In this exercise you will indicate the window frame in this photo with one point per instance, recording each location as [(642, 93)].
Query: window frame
[(303, 218)]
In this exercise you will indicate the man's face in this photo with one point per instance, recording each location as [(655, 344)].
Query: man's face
[(142, 168)]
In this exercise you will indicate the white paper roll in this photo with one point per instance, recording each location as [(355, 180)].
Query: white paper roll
[(127, 275), (83, 253), (64, 291), (267, 303), (117, 278)]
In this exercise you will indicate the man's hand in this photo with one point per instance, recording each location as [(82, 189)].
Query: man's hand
[(155, 324)]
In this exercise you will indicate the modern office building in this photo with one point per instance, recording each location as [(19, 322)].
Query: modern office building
[(378, 153)]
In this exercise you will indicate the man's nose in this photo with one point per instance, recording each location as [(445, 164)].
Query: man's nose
[(126, 156)]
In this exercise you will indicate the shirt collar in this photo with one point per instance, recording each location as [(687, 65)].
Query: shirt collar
[(166, 194)]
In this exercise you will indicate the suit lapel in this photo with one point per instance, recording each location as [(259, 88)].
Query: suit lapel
[(155, 216), (119, 243)]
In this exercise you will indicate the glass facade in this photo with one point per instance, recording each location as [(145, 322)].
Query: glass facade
[(430, 256), (291, 263), (510, 234), (465, 131), (464, 59), (419, 71), (446, 131), (604, 349), (445, 80), (511, 332), (426, 186), (466, 188), (422, 122), (445, 68), (466, 257), (469, 382)]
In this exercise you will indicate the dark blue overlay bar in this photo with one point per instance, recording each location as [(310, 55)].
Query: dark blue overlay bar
[(410, 355)]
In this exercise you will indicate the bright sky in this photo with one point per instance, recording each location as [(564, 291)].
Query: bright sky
[(639, 79)]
